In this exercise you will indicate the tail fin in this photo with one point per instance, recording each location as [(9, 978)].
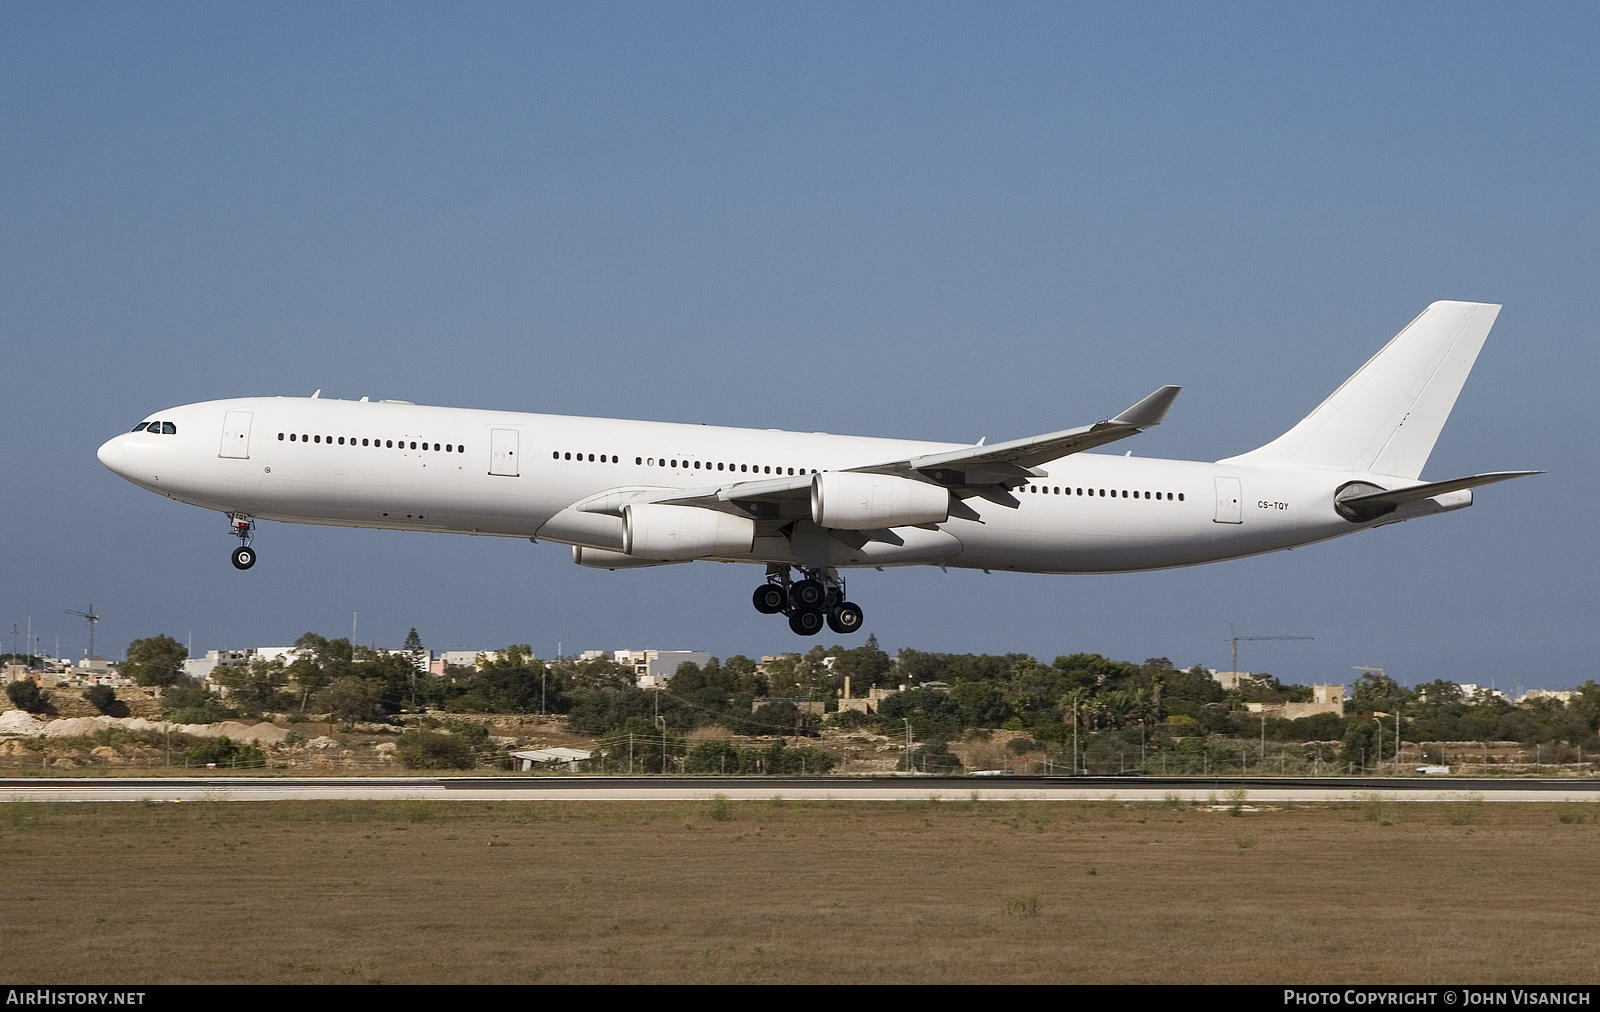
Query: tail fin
[(1386, 418)]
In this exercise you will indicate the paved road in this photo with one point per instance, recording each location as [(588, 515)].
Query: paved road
[(549, 788)]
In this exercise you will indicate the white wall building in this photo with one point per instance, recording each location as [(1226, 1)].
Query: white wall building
[(653, 668)]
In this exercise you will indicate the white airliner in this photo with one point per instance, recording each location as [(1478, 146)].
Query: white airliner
[(626, 494)]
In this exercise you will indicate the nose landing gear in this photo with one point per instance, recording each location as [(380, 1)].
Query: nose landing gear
[(810, 602), (243, 528)]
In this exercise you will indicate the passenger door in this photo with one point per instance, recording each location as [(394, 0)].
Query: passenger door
[(503, 452)]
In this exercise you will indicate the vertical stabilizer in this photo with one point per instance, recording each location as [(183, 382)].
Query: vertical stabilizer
[(1386, 418)]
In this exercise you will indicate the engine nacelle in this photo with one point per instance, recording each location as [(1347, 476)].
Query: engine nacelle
[(854, 501), (680, 533), (599, 558)]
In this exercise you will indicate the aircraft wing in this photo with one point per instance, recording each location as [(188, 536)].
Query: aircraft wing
[(987, 471), (744, 497), (1008, 462)]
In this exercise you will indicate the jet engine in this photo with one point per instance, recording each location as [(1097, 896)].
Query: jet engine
[(655, 531), (599, 558), (855, 501)]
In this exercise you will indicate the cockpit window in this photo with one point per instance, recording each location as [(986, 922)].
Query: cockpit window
[(140, 426), (168, 429)]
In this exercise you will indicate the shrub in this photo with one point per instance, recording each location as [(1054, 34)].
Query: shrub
[(224, 751), (713, 757), (103, 697), (435, 750), (932, 757), (25, 695)]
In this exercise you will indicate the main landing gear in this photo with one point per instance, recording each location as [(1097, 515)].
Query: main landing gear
[(810, 602), (243, 528)]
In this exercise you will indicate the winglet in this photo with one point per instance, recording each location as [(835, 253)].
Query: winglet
[(1149, 411)]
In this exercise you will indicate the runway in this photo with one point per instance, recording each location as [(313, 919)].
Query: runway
[(900, 788)]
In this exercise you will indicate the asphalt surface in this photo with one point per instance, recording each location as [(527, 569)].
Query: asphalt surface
[(987, 788)]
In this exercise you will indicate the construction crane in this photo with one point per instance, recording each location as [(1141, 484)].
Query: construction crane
[(89, 618), (1235, 638)]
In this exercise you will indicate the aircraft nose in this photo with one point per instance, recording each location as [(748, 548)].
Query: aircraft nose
[(114, 453)]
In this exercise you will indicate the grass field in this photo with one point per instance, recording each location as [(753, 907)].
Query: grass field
[(741, 892)]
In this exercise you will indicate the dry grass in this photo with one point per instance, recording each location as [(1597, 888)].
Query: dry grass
[(948, 891)]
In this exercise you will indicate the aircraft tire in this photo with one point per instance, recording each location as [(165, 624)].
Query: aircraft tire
[(807, 595), (243, 557), (845, 618), (806, 623), (768, 599)]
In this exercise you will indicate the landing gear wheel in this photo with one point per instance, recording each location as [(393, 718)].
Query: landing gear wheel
[(808, 595), (806, 623), (845, 618), (769, 599), (244, 557)]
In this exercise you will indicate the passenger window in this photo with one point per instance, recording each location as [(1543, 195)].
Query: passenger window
[(413, 444), (341, 440), (168, 429), (317, 438), (280, 437)]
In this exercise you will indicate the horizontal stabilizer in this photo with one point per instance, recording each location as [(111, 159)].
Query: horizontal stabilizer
[(1414, 493)]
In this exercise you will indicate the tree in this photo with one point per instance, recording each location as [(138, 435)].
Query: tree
[(224, 751), (190, 704), (157, 660), (712, 757), (25, 695), (102, 697), (256, 686), (413, 650), (351, 699), (435, 750)]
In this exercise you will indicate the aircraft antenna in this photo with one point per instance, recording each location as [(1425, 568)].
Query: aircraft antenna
[(1235, 638), (89, 619)]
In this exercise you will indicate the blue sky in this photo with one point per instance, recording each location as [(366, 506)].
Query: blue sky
[(929, 220)]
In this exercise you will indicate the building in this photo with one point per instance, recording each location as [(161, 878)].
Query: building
[(550, 758), (1324, 699), (652, 668), (1564, 695), (1230, 680), (867, 704)]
